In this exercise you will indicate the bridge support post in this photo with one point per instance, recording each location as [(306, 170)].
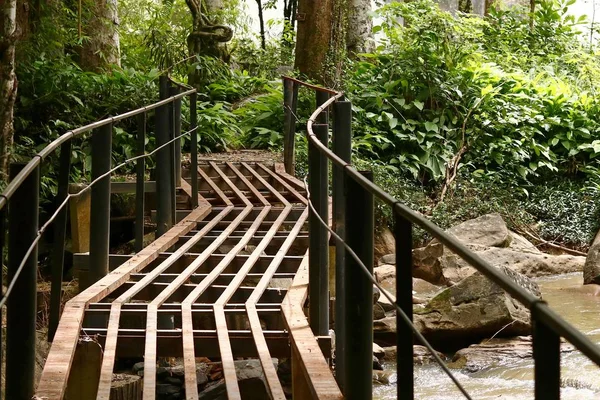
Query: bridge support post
[(60, 229), (358, 302), (546, 355), (290, 103), (194, 148), (342, 147), (21, 306), (404, 336), (100, 203), (139, 182), (318, 243), (164, 201)]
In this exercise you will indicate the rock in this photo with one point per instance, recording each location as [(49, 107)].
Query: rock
[(421, 355), (137, 367), (385, 275), (173, 380), (384, 331), (378, 312), (387, 259), (378, 351), (472, 310), (376, 364), (385, 303), (495, 352), (489, 230), (384, 377), (529, 264), (385, 243), (251, 381), (489, 238), (162, 372), (163, 389), (591, 268), (376, 294)]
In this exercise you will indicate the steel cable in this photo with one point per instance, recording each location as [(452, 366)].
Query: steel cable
[(384, 292), (66, 201)]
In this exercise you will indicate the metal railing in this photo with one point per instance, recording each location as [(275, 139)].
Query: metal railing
[(353, 195), (20, 202)]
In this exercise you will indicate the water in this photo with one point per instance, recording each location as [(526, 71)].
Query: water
[(514, 379)]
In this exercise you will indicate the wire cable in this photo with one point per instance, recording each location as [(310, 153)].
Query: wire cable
[(66, 201), (384, 292)]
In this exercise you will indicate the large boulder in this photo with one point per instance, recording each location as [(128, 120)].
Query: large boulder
[(489, 237), (474, 309)]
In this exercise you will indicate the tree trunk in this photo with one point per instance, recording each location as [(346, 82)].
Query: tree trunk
[(8, 81), (100, 25), (207, 37), (261, 20), (321, 40), (360, 37)]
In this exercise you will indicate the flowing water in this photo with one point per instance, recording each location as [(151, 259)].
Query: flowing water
[(514, 379)]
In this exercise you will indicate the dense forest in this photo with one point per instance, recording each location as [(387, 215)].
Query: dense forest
[(458, 114)]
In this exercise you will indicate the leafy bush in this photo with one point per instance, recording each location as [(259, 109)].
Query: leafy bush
[(445, 93)]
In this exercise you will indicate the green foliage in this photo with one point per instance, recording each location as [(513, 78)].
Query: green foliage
[(491, 96)]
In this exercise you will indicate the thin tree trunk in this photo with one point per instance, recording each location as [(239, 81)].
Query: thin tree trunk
[(8, 81), (261, 20), (359, 38)]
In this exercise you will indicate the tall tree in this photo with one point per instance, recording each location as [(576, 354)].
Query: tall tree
[(8, 80), (321, 40), (100, 23), (208, 36), (359, 38)]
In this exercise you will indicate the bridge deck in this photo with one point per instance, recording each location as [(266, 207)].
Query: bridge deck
[(228, 281)]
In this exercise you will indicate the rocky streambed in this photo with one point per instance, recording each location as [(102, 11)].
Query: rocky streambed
[(482, 332)]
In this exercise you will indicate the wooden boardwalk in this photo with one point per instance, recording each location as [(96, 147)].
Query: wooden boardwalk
[(228, 281)]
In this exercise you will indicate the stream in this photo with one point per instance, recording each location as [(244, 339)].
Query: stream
[(514, 379)]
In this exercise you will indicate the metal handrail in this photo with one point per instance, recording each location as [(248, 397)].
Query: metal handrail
[(56, 143), (545, 320), (25, 233)]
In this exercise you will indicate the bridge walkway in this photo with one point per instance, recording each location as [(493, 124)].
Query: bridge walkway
[(229, 281)]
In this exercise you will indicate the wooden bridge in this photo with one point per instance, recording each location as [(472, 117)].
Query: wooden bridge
[(228, 281), (241, 249)]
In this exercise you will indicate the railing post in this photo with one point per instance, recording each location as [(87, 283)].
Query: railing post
[(546, 355), (172, 157), (194, 148), (322, 97), (290, 100), (100, 203), (2, 241), (319, 247), (164, 200), (139, 182), (176, 132), (404, 336), (358, 303), (58, 247), (342, 147), (23, 219)]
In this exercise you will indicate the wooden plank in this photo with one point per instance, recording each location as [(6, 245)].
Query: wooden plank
[(186, 307), (274, 384), (151, 319), (249, 185), (110, 352), (293, 191), (313, 366), (222, 331), (280, 170), (215, 188), (54, 377), (237, 191), (267, 184)]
